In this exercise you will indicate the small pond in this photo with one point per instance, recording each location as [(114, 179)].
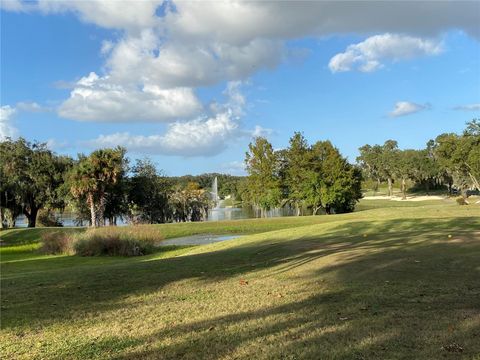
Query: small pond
[(198, 240)]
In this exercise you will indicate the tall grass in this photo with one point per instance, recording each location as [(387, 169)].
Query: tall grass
[(57, 242), (109, 241)]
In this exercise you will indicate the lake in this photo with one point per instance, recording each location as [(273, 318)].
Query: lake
[(217, 214)]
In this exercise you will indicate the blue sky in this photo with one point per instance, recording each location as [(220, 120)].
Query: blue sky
[(213, 90)]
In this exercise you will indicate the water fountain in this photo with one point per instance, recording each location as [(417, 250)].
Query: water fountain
[(214, 193)]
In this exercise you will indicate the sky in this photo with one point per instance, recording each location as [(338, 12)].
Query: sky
[(190, 84)]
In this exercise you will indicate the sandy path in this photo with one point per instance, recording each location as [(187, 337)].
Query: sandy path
[(409, 198)]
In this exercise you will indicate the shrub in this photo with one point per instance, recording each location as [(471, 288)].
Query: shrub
[(57, 243), (46, 218), (461, 201), (111, 240), (127, 241)]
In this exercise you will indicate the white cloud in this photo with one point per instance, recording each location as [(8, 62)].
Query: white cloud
[(7, 113), (57, 145), (203, 136), (31, 106), (96, 98), (114, 14), (368, 55), (107, 47), (240, 21), (177, 63), (188, 44), (234, 168), (469, 107), (261, 131), (403, 108), (6, 127), (199, 137), (166, 50)]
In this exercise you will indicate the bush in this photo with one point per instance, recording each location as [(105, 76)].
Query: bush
[(57, 243), (111, 241), (117, 241), (461, 201), (46, 218)]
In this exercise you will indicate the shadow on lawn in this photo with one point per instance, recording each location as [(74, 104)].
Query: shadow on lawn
[(390, 287)]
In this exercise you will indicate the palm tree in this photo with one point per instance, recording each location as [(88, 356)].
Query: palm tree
[(93, 176)]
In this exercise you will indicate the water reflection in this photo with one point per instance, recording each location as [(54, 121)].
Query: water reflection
[(227, 213), (69, 219)]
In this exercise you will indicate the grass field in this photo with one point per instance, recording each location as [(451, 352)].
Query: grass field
[(391, 281)]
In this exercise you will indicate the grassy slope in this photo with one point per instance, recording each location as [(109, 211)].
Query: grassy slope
[(379, 283)]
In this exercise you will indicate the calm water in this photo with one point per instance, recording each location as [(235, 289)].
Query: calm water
[(217, 214)]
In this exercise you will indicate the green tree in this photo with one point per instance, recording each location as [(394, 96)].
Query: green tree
[(369, 161), (460, 156), (471, 146), (31, 176), (263, 181), (148, 194), (298, 163), (379, 161), (190, 203), (93, 177), (405, 168), (334, 184)]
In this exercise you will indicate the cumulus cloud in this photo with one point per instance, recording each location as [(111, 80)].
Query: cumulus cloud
[(191, 64), (239, 21), (114, 14), (96, 98), (167, 49), (6, 127), (171, 45), (368, 55), (403, 108), (468, 107), (203, 136), (199, 137)]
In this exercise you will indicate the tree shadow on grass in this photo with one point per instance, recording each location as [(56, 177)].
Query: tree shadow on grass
[(397, 303), (391, 284)]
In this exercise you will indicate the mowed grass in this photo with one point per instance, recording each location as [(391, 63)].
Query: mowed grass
[(398, 282)]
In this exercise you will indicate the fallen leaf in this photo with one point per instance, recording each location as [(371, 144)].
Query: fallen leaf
[(243, 282)]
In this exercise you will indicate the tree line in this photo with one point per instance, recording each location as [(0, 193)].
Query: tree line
[(450, 160), (317, 178), (99, 188), (310, 179)]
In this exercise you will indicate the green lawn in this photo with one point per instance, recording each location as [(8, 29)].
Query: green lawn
[(393, 282)]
